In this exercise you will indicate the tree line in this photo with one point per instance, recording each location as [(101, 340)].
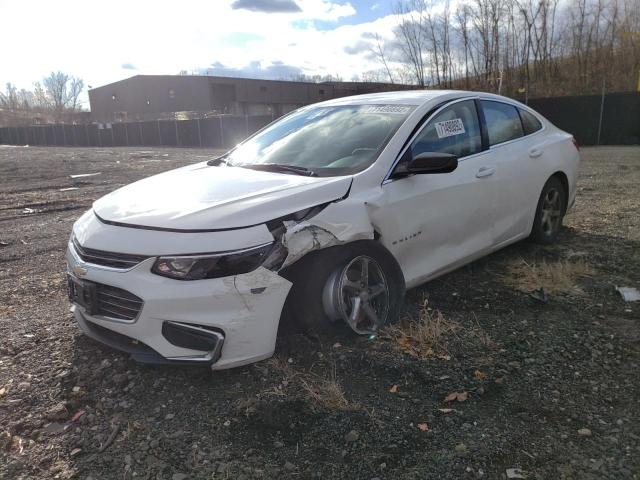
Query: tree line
[(514, 47), (57, 96)]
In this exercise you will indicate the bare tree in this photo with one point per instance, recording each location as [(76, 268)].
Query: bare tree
[(9, 99), (411, 36), (379, 52), (517, 46), (62, 91)]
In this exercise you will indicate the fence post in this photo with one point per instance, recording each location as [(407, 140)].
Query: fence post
[(159, 133), (221, 132), (55, 137), (126, 133), (601, 110), (141, 134), (199, 135), (175, 122)]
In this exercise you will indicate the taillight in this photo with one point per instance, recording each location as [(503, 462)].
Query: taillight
[(575, 143)]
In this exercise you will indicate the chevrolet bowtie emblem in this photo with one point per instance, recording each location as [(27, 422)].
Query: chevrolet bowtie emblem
[(79, 271)]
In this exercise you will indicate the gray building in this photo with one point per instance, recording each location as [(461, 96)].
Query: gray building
[(148, 97)]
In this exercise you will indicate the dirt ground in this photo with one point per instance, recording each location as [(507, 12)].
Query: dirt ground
[(491, 378)]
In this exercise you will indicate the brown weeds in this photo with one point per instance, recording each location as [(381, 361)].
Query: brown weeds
[(556, 277), (316, 390), (426, 335), (326, 393)]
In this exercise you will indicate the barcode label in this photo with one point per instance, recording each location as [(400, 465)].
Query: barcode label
[(398, 109), (450, 128)]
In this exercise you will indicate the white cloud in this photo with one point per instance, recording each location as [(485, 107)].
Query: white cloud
[(101, 41)]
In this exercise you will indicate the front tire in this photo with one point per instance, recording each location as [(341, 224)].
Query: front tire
[(550, 212), (359, 285)]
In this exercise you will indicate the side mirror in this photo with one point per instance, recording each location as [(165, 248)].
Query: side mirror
[(432, 162)]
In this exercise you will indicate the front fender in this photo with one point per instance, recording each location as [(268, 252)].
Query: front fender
[(341, 222)]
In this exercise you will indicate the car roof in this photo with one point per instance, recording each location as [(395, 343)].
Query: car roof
[(415, 97), (403, 97)]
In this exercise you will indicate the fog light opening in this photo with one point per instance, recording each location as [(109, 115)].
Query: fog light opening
[(203, 338)]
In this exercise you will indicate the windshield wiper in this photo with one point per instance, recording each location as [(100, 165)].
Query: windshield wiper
[(280, 167), (214, 162)]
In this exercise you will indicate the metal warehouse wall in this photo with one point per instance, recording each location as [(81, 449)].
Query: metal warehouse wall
[(140, 97), (147, 97), (579, 116)]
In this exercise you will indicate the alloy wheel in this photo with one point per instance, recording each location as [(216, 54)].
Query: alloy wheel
[(551, 211), (358, 293)]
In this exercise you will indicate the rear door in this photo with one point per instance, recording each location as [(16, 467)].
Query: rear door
[(432, 222), (516, 151)]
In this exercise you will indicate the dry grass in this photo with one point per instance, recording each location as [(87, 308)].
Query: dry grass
[(426, 335), (283, 368), (246, 406), (317, 391), (326, 393), (480, 335), (556, 277)]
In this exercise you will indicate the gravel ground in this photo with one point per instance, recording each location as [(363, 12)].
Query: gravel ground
[(508, 385)]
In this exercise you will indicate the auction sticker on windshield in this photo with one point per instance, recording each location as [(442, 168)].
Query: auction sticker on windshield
[(449, 128), (399, 109)]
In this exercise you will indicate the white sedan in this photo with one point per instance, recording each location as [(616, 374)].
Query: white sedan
[(327, 215)]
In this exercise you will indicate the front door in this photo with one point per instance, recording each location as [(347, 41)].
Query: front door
[(432, 222)]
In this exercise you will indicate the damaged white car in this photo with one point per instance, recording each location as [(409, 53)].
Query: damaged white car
[(326, 216)]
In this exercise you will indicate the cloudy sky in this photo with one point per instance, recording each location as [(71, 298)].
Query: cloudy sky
[(105, 41)]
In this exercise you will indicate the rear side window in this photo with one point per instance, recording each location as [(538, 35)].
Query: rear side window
[(530, 123), (503, 122), (455, 130)]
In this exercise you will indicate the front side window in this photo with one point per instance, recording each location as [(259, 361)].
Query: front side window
[(455, 130), (503, 121), (328, 140), (530, 123)]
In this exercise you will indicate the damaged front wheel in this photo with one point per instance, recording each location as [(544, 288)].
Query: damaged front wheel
[(358, 293), (359, 285)]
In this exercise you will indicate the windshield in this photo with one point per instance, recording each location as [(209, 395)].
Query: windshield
[(329, 140)]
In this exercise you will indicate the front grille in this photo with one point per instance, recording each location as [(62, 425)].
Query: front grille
[(107, 259), (115, 302)]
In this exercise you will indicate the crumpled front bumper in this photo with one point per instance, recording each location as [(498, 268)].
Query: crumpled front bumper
[(245, 310)]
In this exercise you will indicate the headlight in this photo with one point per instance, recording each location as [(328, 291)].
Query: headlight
[(216, 265)]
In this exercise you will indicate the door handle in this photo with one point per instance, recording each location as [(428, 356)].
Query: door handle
[(535, 152), (485, 172)]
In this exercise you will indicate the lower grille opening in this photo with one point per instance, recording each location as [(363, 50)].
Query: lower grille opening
[(117, 303), (191, 336)]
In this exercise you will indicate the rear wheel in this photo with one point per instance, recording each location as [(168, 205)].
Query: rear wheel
[(359, 285), (550, 212)]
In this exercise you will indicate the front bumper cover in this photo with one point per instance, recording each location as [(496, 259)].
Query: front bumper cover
[(244, 310)]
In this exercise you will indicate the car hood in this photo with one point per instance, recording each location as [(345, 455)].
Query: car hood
[(201, 197)]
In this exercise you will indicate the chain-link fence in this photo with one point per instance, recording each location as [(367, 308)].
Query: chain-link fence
[(612, 119), (218, 132)]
